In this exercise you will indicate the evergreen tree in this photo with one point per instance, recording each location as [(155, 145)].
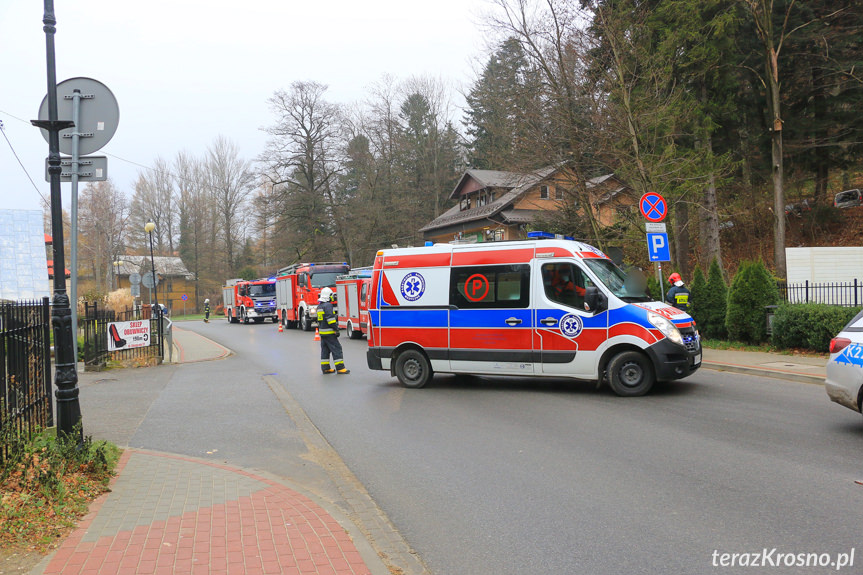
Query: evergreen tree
[(714, 304), (697, 292), (752, 289)]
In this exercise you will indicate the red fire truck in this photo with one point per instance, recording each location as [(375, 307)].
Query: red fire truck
[(298, 287), (352, 292), (250, 300)]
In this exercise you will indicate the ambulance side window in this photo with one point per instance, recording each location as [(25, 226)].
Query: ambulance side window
[(490, 287), (565, 284)]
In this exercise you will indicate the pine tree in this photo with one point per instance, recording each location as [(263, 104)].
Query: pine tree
[(714, 303), (697, 295), (752, 289)]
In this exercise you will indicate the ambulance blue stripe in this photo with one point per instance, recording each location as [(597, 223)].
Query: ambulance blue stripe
[(496, 318), (590, 321), (629, 314), (407, 317)]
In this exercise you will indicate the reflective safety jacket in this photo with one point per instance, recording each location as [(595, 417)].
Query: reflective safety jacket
[(678, 296), (328, 323)]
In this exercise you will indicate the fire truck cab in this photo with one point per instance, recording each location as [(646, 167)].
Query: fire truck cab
[(298, 287), (537, 308), (352, 293), (247, 300)]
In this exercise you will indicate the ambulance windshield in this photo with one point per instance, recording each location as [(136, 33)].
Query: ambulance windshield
[(630, 287)]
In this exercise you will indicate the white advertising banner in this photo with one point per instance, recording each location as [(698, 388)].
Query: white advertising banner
[(128, 334)]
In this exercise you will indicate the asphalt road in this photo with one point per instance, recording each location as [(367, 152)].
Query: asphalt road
[(508, 476)]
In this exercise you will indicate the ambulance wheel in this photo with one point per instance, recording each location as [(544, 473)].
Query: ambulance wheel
[(352, 333), (305, 322), (413, 368), (275, 319), (630, 374)]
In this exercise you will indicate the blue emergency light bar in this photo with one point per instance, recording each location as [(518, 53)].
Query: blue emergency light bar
[(548, 236)]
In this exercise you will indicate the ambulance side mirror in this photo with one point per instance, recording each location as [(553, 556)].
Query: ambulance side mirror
[(594, 300)]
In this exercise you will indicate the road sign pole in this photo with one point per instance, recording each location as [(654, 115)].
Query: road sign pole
[(73, 241)]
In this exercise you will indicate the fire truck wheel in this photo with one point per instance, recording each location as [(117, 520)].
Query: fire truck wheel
[(245, 318), (352, 333), (413, 368), (630, 374), (275, 319), (305, 321)]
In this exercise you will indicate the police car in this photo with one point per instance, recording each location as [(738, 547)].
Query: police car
[(844, 383)]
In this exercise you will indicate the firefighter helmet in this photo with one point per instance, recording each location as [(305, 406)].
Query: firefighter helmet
[(674, 278), (326, 294), (207, 300)]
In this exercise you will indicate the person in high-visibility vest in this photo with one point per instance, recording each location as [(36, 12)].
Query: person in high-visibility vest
[(328, 329), (678, 295), (207, 311)]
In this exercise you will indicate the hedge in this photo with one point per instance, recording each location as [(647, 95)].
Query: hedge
[(809, 325)]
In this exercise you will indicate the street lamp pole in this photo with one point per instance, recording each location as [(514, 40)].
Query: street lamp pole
[(65, 362), (149, 229)]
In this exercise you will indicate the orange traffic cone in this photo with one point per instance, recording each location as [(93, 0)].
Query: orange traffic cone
[(281, 328), (317, 335)]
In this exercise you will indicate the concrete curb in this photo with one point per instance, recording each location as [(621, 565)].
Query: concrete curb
[(765, 372)]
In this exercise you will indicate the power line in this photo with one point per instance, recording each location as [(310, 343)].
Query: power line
[(14, 153)]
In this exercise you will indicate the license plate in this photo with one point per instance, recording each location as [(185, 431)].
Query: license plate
[(697, 359)]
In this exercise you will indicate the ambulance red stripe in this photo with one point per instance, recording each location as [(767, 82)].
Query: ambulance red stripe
[(491, 257)]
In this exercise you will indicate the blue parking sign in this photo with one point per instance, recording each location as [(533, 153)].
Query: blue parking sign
[(657, 247)]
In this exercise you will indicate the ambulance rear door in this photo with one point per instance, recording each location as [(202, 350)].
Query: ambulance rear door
[(566, 336)]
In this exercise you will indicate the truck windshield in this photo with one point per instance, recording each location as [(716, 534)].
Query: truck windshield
[(262, 289), (324, 279), (628, 287)]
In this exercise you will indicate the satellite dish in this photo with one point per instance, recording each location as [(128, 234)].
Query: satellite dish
[(98, 114)]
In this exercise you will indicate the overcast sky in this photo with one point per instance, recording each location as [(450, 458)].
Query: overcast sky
[(185, 71)]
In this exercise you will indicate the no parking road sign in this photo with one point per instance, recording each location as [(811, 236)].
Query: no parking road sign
[(653, 207)]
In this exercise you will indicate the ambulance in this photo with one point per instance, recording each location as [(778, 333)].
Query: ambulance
[(537, 308)]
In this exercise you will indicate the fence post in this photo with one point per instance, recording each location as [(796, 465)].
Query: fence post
[(807, 292), (46, 351), (855, 292)]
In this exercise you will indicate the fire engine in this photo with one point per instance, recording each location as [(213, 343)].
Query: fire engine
[(352, 292), (250, 300), (298, 287), (535, 308)]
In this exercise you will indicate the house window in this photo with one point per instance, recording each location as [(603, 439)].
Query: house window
[(543, 192), (490, 197), (465, 203), (481, 201), (558, 193)]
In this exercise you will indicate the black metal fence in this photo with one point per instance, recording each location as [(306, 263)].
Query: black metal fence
[(847, 294), (97, 325), (25, 370)]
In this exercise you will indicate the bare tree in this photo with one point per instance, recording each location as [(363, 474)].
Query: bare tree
[(103, 216), (229, 181), (302, 162)]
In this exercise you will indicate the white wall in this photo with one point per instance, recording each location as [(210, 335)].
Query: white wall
[(819, 265)]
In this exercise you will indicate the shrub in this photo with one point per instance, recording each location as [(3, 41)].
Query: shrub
[(653, 288), (752, 289), (809, 325), (714, 304), (697, 296)]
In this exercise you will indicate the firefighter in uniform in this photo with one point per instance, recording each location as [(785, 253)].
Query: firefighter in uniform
[(678, 295), (328, 329), (207, 311)]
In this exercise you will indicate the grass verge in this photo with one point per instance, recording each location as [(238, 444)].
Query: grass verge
[(46, 486)]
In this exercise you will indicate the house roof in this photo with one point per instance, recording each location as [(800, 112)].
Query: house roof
[(525, 181), (610, 192), (488, 179), (165, 266)]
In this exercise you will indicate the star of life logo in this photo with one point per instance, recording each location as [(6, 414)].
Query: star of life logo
[(571, 325), (413, 286)]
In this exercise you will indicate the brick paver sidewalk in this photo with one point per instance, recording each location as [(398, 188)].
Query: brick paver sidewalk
[(173, 515)]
